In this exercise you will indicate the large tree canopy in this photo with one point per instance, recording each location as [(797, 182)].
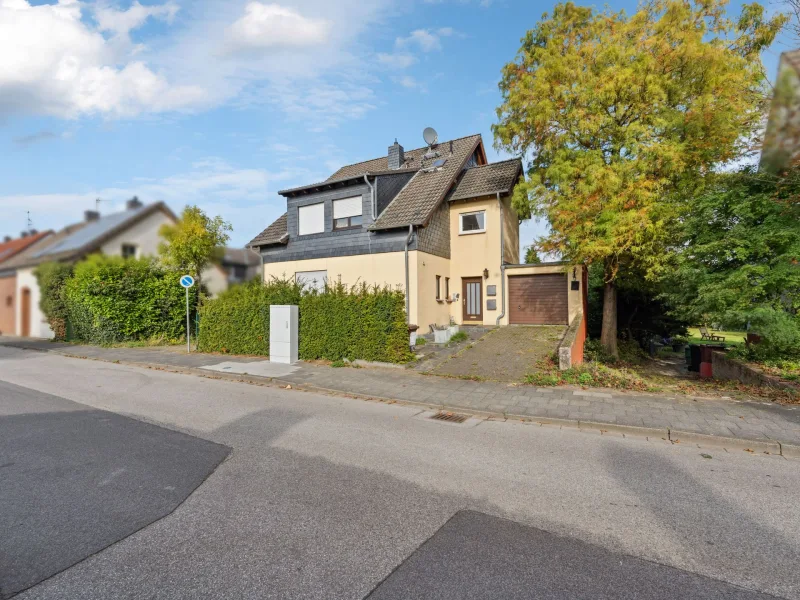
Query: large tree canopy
[(740, 249), (619, 112)]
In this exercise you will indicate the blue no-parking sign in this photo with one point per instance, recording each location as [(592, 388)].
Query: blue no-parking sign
[(187, 281)]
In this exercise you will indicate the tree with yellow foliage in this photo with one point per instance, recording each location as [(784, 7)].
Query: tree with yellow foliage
[(619, 114)]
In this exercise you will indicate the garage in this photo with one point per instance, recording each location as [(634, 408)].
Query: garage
[(538, 299)]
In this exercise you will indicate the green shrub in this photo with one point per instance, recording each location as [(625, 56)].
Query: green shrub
[(238, 320), (458, 337), (52, 278), (110, 299), (359, 322), (421, 341), (338, 323)]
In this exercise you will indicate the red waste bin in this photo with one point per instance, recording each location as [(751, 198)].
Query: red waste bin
[(705, 370)]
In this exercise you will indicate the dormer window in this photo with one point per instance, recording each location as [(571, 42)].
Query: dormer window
[(347, 213)]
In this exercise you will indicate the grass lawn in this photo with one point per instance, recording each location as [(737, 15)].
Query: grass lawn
[(732, 338)]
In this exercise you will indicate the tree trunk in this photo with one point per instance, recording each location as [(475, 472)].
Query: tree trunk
[(608, 335)]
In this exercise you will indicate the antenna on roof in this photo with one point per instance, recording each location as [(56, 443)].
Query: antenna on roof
[(29, 221), (430, 136), (97, 202)]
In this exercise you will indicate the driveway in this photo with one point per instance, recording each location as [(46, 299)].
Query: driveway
[(504, 353), (331, 497)]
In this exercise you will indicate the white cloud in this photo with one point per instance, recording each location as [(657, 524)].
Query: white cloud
[(426, 40), (52, 62), (407, 81), (400, 60), (122, 22), (267, 26), (239, 195)]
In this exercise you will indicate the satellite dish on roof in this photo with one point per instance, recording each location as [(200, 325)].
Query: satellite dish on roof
[(430, 136)]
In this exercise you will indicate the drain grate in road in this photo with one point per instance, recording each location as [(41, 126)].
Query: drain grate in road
[(450, 417)]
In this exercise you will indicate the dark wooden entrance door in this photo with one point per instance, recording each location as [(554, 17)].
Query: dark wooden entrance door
[(25, 312), (472, 299)]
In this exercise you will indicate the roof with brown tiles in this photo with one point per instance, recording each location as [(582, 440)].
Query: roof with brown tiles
[(422, 194), (425, 191), (486, 180), (14, 247), (272, 234)]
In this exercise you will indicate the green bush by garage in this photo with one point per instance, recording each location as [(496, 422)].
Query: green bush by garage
[(360, 322)]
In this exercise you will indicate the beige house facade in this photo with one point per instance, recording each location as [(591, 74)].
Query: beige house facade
[(436, 221)]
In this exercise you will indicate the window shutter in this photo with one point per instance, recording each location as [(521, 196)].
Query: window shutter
[(311, 219), (347, 207)]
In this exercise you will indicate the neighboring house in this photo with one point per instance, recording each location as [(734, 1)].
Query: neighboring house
[(240, 265), (436, 221), (782, 138), (9, 249), (132, 233)]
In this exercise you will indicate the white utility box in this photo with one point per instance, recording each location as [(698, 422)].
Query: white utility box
[(283, 323)]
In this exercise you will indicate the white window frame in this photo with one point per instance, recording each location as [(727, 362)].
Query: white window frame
[(311, 279), (300, 218), (461, 222)]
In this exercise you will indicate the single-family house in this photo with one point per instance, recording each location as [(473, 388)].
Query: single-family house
[(132, 233), (436, 221), (240, 265), (9, 249)]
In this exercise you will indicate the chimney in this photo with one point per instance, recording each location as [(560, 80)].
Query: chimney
[(23, 234), (90, 215), (396, 156), (7, 239), (33, 232), (133, 203)]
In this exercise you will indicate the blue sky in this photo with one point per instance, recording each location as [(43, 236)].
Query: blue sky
[(221, 103)]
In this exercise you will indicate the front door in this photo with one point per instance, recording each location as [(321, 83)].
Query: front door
[(25, 312), (472, 299)]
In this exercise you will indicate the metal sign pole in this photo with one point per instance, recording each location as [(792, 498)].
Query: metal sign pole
[(187, 281), (188, 330)]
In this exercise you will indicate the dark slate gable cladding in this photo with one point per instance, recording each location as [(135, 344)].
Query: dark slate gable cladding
[(348, 242), (389, 187)]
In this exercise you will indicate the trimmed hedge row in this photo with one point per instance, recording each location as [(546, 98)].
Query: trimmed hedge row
[(238, 320), (110, 299), (337, 323)]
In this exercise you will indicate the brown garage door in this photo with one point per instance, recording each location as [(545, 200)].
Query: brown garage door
[(538, 300)]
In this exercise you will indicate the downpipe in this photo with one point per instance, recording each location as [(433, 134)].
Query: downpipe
[(502, 262), (408, 294)]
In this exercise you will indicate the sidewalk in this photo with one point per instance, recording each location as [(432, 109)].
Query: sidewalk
[(775, 427)]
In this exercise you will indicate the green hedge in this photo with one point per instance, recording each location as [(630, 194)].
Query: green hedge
[(52, 278), (238, 320), (338, 323), (111, 299)]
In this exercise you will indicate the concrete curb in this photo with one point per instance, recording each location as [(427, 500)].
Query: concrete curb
[(674, 436), (790, 450), (700, 439)]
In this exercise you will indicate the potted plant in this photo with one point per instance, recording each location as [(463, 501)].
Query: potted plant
[(679, 342)]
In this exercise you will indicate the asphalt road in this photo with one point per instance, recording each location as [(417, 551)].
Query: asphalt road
[(74, 480), (327, 497)]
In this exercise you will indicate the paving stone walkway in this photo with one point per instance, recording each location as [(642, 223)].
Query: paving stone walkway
[(717, 417)]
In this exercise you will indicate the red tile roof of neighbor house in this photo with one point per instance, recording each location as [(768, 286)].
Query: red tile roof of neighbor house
[(15, 246), (425, 191)]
